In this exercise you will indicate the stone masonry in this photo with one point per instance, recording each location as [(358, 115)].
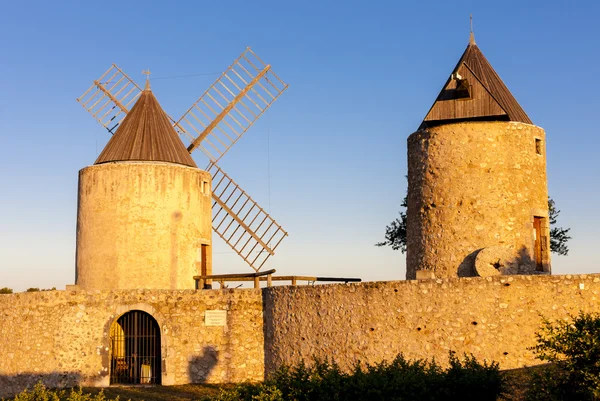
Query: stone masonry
[(62, 337), (474, 185), (141, 225), (494, 318)]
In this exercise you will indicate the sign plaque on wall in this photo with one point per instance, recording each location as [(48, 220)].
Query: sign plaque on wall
[(215, 318)]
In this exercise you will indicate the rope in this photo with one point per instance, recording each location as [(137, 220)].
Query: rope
[(178, 76), (268, 163), (188, 75)]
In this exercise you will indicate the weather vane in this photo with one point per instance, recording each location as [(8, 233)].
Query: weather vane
[(471, 35), (147, 74)]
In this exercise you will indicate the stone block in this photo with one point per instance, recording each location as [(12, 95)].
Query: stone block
[(425, 275)]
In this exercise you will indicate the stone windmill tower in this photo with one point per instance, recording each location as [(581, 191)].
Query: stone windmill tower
[(144, 210), (477, 187)]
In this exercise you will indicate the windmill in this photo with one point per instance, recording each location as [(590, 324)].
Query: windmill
[(213, 124)]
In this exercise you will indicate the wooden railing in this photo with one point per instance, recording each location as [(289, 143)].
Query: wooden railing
[(204, 282)]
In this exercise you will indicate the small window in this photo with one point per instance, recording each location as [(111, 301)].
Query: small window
[(538, 146), (463, 89), (205, 187)]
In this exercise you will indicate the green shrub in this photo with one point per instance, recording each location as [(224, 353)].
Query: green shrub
[(550, 384), (397, 380), (6, 290), (572, 348), (470, 380), (36, 289), (268, 393), (41, 393), (254, 392)]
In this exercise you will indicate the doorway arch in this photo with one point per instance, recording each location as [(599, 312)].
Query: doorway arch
[(135, 349)]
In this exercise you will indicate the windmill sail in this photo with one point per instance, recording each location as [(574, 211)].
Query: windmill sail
[(237, 218), (108, 100), (241, 222), (230, 106)]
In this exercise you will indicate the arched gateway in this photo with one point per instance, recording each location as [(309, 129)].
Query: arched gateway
[(135, 349)]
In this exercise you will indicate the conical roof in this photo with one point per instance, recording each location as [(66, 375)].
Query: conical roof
[(474, 91), (146, 134)]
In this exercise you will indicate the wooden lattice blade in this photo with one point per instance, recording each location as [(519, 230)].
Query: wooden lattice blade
[(230, 106), (110, 97), (250, 231)]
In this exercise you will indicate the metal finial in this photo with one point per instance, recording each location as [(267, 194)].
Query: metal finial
[(147, 73), (471, 35)]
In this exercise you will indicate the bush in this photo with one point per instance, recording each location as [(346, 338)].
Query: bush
[(41, 393), (256, 392), (399, 380), (6, 290), (573, 350), (35, 289), (471, 380)]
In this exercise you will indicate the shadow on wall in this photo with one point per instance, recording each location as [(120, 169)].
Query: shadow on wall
[(467, 266), (200, 366), (10, 385), (198, 370), (495, 261), (271, 359)]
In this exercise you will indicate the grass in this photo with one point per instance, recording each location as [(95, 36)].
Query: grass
[(158, 393)]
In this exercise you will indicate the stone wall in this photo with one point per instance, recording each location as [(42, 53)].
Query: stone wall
[(62, 337), (142, 225), (493, 318), (475, 185)]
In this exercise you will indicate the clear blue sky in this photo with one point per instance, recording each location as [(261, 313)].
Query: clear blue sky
[(329, 158)]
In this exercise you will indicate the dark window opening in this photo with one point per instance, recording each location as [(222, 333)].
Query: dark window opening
[(135, 349), (538, 146), (463, 89)]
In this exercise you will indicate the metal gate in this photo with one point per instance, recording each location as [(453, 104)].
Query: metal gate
[(135, 349)]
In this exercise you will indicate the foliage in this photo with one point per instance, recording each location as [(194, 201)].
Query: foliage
[(35, 289), (549, 384), (573, 349), (254, 392), (395, 232), (558, 235), (399, 380), (468, 379), (41, 393), (6, 290)]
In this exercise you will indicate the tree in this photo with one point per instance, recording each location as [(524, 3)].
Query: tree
[(6, 290), (558, 235), (395, 232)]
